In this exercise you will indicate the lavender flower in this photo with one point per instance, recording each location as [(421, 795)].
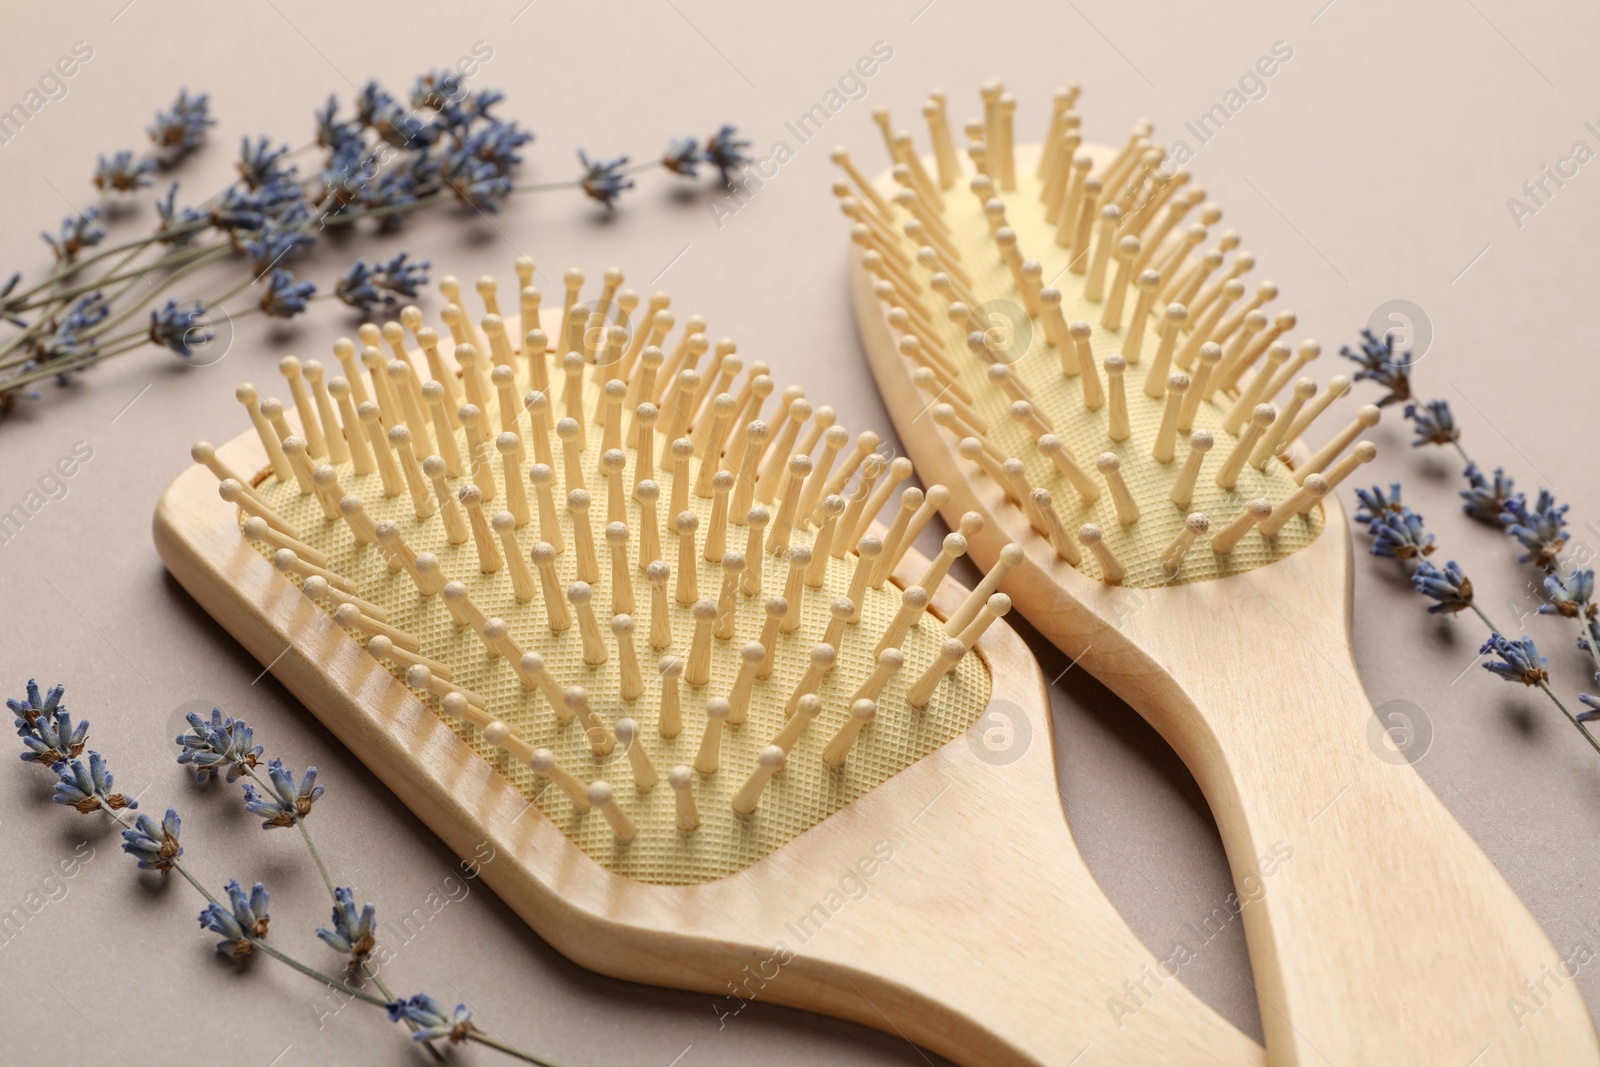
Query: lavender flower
[(372, 101), (275, 242), (477, 183), (1379, 364), (248, 919), (403, 129), (286, 802), (122, 173), (1589, 639), (603, 179), (1375, 503), (1434, 423), (52, 738), (1590, 701), (261, 164), (285, 298), (182, 129), (1519, 661), (432, 1021), (438, 89), (1400, 535), (1485, 500), (77, 233), (352, 931), (8, 311), (69, 340), (331, 131), (88, 788), (154, 845), (219, 745), (1450, 587), (1571, 597), (683, 156), (368, 285), (1539, 529), (180, 328), (33, 705), (725, 151)]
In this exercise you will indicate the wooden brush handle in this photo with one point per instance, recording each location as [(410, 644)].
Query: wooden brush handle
[(1379, 932), (1014, 956)]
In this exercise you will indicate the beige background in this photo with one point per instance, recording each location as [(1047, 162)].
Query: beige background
[(1376, 168)]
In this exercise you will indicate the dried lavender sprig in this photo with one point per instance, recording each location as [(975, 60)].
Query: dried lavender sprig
[(244, 921)]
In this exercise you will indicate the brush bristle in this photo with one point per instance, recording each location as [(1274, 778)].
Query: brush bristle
[(639, 540), (1063, 304)]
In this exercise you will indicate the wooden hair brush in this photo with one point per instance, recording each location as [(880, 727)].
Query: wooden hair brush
[(1060, 337), (626, 616)]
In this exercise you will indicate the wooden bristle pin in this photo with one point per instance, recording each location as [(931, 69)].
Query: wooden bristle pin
[(996, 607), (1110, 467), (433, 394), (421, 500), (823, 657), (285, 560), (1366, 418), (841, 611), (621, 574), (1276, 440), (920, 694), (888, 664), (1363, 452), (259, 529), (1337, 387), (1010, 556), (659, 574), (709, 757), (544, 765), (681, 779), (1091, 537), (585, 554), (1172, 323), (1255, 511), (768, 763), (270, 442), (1172, 558), (862, 712), (462, 609), (420, 678), (522, 584), (435, 469), (1313, 489), (603, 797), (294, 448), (913, 602), (581, 596), (687, 589), (1167, 433), (1119, 429), (489, 558), (1228, 475), (751, 657), (543, 556), (381, 646), (235, 493), (310, 418), (596, 733), (644, 772), (1059, 538), (1200, 443), (509, 445)]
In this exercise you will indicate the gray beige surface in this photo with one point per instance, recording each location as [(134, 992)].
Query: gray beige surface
[(1375, 167)]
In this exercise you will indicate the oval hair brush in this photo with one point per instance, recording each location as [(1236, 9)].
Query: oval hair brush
[(627, 617), (1065, 338)]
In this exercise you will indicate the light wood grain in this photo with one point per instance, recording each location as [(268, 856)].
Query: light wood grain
[(949, 905), (1387, 936)]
